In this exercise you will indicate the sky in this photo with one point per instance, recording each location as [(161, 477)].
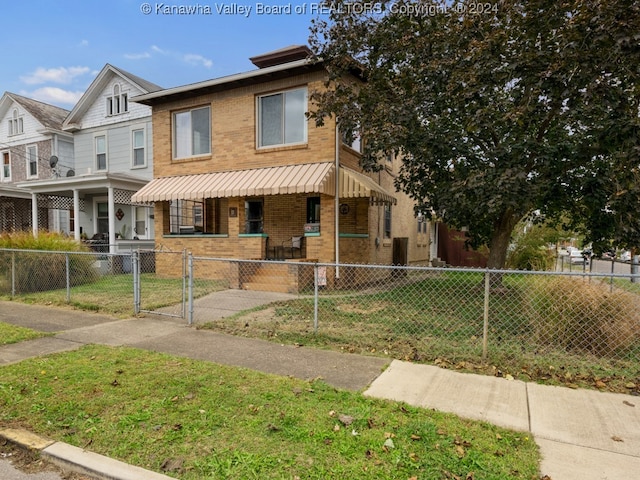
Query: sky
[(53, 49)]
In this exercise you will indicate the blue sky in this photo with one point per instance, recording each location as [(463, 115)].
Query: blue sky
[(54, 49)]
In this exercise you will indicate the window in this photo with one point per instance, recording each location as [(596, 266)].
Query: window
[(313, 210), (387, 220), (253, 216), (6, 166), (188, 217), (32, 161), (356, 144), (118, 102), (102, 217), (138, 148), (192, 133), (101, 153), (282, 119), (16, 123)]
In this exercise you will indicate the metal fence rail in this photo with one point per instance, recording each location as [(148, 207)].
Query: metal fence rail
[(412, 313)]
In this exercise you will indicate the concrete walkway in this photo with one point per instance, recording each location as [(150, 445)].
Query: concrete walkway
[(582, 434)]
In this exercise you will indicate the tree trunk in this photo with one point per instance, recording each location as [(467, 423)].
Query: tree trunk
[(500, 244)]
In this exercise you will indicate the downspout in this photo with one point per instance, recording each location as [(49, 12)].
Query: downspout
[(336, 207)]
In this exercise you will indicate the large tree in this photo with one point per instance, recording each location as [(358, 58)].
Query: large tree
[(497, 108)]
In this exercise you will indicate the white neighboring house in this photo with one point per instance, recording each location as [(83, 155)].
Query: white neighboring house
[(31, 135), (113, 158)]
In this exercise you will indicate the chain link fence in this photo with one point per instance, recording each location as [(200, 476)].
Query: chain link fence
[(411, 313)]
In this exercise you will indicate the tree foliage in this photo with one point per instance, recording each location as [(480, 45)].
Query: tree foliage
[(498, 109)]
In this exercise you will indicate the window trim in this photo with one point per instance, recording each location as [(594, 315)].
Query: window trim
[(259, 132), (118, 102), (16, 123), (5, 154), (174, 135), (134, 130), (28, 160), (105, 153)]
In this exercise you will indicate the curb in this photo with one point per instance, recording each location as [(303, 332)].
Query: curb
[(78, 460)]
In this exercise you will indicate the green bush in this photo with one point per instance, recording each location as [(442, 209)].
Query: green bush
[(584, 317), (38, 271)]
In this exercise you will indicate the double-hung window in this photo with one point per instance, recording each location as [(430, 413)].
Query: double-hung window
[(6, 166), (137, 141), (101, 152), (32, 161), (192, 133), (282, 118)]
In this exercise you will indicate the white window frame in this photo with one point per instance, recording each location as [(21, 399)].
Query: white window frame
[(118, 102), (189, 146), (134, 131), (32, 158), (16, 123), (259, 112), (105, 153), (4, 176)]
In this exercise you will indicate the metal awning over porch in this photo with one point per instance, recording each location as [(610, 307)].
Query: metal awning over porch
[(280, 180), (306, 178)]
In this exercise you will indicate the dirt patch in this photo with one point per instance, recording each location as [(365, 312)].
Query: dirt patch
[(30, 462), (358, 308)]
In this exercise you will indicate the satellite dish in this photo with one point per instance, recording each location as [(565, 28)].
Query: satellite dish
[(71, 173), (53, 161)]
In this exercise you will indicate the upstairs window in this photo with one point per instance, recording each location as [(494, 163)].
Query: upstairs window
[(138, 156), (282, 119), (16, 123), (32, 161), (192, 133), (101, 152), (118, 102)]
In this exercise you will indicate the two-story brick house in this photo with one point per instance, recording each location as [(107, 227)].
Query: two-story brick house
[(32, 147), (240, 172), (112, 158)]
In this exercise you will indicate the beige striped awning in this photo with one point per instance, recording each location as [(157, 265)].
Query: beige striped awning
[(280, 180), (354, 184), (287, 179)]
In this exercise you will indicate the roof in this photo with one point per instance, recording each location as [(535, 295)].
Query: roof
[(274, 72), (90, 96), (282, 55), (49, 116)]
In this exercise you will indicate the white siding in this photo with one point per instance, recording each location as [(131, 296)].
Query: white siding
[(96, 114)]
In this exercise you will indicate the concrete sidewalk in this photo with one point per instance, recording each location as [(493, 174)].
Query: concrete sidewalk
[(582, 434)]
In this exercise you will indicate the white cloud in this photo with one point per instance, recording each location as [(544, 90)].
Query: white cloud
[(137, 56), (84, 43), (195, 59), (62, 75), (55, 96)]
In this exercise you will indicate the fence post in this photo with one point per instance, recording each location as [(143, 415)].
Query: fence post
[(190, 290), (13, 274), (135, 267), (485, 326), (68, 275), (315, 298)]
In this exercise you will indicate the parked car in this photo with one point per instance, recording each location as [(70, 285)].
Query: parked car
[(578, 257), (625, 256)]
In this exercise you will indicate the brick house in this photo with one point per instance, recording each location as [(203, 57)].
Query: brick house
[(240, 172)]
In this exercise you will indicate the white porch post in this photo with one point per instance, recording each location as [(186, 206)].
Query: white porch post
[(112, 221), (76, 215), (34, 214)]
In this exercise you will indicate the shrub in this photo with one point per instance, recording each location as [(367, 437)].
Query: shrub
[(37, 271), (582, 316)]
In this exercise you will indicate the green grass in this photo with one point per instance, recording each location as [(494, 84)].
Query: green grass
[(201, 420), (113, 294), (13, 334), (440, 320)]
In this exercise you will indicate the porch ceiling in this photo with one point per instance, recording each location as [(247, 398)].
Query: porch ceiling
[(287, 179)]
